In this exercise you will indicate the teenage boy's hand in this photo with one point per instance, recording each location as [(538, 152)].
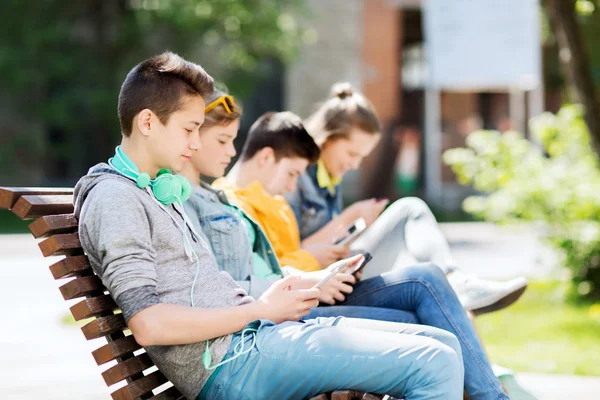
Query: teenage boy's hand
[(282, 303), (334, 289), (326, 253)]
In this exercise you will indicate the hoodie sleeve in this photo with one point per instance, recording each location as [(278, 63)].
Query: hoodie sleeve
[(115, 233)]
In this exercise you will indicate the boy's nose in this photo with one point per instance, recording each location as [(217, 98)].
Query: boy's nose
[(195, 142)]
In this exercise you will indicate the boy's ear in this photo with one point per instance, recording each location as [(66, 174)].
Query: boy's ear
[(144, 121), (265, 156)]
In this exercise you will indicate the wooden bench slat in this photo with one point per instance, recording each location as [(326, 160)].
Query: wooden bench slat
[(53, 224), (71, 266), (170, 394), (140, 387), (345, 395), (349, 395), (320, 397), (61, 244), (83, 286), (370, 396), (34, 206), (103, 326), (93, 306), (126, 369), (115, 349), (10, 195)]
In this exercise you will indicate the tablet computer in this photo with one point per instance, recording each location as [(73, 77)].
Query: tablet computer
[(352, 231)]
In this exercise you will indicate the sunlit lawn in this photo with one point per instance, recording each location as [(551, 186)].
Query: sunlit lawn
[(541, 333)]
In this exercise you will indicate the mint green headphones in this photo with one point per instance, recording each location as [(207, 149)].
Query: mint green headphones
[(166, 187)]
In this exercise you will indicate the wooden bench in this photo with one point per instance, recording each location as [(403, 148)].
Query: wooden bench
[(56, 227)]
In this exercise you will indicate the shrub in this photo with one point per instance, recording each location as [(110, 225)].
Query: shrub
[(556, 181)]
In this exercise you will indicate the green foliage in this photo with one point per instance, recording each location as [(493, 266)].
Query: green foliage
[(559, 186), (63, 61)]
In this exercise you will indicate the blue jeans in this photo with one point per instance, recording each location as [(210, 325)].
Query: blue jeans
[(421, 294), (364, 312), (296, 360)]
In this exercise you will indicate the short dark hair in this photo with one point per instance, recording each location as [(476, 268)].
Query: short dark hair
[(284, 133), (159, 84)]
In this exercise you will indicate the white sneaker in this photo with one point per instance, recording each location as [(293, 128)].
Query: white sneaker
[(481, 296)]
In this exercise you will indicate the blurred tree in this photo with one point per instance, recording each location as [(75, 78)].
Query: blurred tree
[(63, 61), (573, 54)]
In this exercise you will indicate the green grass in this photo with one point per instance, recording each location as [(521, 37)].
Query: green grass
[(543, 333), (68, 319)]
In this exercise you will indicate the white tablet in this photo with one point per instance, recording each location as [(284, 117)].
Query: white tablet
[(352, 231)]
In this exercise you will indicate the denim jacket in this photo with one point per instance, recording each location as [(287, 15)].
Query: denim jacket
[(227, 236), (313, 205)]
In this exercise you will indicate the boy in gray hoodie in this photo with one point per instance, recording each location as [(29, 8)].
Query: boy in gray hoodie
[(202, 330)]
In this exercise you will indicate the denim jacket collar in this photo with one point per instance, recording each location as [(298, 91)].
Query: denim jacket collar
[(323, 192), (210, 193)]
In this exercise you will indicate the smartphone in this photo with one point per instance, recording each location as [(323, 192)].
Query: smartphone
[(334, 269), (368, 257), (352, 231)]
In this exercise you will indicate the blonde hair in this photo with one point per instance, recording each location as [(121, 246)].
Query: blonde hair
[(218, 115), (343, 111)]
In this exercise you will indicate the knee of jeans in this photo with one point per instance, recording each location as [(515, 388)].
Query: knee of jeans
[(447, 363), (449, 339), (429, 272)]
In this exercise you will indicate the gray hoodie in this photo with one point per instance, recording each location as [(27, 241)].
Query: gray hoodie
[(136, 246)]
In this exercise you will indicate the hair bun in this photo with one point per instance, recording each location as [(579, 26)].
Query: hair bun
[(342, 90)]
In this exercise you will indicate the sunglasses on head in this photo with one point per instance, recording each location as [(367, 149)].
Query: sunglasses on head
[(226, 101)]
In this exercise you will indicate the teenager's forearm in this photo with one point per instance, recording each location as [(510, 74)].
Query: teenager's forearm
[(169, 324)]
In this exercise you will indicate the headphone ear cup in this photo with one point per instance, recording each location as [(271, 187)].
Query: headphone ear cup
[(167, 189), (186, 188)]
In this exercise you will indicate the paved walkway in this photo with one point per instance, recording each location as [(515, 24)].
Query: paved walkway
[(43, 358)]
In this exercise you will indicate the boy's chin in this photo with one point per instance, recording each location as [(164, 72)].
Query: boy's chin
[(218, 173), (178, 166)]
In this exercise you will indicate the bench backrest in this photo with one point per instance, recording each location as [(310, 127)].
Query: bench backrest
[(56, 227)]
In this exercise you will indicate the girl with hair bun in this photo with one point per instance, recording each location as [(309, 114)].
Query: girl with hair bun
[(347, 129)]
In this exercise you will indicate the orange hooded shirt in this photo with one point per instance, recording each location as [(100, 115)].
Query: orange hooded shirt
[(277, 219)]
